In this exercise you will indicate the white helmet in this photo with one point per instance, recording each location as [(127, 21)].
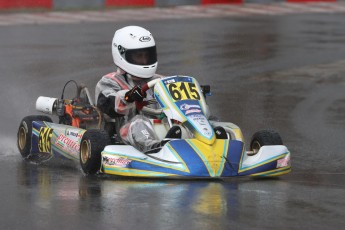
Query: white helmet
[(134, 51)]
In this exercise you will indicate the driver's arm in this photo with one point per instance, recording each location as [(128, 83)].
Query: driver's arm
[(110, 98)]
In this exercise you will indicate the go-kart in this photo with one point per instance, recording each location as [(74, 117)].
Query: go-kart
[(207, 149)]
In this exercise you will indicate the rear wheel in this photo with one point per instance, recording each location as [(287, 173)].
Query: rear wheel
[(92, 144), (262, 138), (25, 131)]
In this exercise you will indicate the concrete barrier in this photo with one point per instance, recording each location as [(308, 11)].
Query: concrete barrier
[(305, 1), (23, 4), (77, 4), (176, 2), (129, 3), (206, 2), (101, 4)]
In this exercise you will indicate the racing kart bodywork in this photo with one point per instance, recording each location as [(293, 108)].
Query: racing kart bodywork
[(204, 150)]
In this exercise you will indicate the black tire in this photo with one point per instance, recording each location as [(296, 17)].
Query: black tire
[(264, 137), (25, 131), (91, 146)]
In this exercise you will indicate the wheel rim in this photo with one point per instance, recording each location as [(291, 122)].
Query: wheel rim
[(256, 147), (85, 150), (22, 138)]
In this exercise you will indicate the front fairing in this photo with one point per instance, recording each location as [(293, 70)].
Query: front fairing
[(182, 100), (193, 158)]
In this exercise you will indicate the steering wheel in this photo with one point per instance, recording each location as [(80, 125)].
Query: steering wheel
[(149, 85), (141, 106)]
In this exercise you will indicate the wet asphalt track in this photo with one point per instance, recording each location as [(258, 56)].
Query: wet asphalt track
[(285, 72)]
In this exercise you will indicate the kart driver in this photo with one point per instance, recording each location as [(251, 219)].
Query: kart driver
[(134, 54)]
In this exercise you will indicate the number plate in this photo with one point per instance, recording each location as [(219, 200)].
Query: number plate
[(183, 91)]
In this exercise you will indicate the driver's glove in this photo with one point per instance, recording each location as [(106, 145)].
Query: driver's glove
[(135, 94)]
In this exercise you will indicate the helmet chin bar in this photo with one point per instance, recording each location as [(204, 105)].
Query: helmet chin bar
[(140, 71)]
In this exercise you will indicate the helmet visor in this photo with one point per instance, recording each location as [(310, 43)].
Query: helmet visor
[(144, 56)]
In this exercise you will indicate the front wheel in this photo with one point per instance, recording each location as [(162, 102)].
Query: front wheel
[(262, 138), (25, 132), (91, 146)]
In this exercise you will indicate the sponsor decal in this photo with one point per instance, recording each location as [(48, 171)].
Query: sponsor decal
[(283, 162), (207, 133), (186, 106), (199, 118), (67, 144), (169, 81), (193, 111), (116, 161), (73, 134), (201, 124), (44, 138), (145, 39)]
